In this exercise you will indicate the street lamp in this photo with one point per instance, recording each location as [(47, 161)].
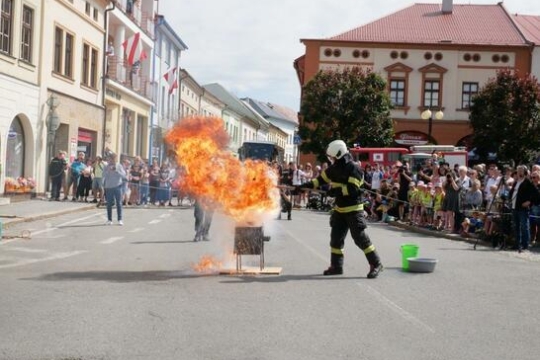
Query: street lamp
[(53, 121), (427, 115)]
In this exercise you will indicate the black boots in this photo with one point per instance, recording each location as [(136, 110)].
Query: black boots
[(336, 265), (374, 270), (375, 265), (333, 271)]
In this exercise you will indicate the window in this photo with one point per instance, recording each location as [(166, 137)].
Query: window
[(87, 8), (397, 92), (85, 64), (96, 14), (93, 68), (26, 35), (6, 23), (469, 89), (89, 66), (431, 94), (63, 53)]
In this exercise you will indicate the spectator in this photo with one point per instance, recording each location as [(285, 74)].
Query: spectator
[(164, 184), (451, 203), (405, 177), (473, 197), (135, 175), (368, 176), (438, 214), (74, 174), (97, 183), (57, 168), (523, 195), (85, 182), (376, 177), (535, 210), (203, 219), (113, 179), (492, 178)]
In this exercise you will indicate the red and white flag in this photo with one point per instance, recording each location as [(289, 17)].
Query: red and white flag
[(133, 48), (171, 78)]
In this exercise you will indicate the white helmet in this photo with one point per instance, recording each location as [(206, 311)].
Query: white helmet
[(337, 149)]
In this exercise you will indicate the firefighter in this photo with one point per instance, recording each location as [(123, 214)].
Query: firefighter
[(346, 180)]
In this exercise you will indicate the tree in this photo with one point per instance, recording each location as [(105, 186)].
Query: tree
[(351, 104), (505, 117)]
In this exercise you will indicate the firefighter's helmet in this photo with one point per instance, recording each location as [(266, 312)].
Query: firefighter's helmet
[(337, 149)]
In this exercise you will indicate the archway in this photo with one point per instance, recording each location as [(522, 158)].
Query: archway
[(15, 149)]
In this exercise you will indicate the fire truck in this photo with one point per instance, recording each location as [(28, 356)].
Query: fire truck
[(416, 154)]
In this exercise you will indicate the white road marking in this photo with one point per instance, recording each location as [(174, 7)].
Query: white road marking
[(136, 230), (396, 308), (305, 244), (156, 221), (33, 261), (64, 224), (111, 240), (25, 250), (164, 215)]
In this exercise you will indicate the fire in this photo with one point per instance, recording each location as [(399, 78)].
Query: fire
[(245, 191), (207, 264)]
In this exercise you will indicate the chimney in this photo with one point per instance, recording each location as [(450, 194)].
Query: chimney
[(447, 6)]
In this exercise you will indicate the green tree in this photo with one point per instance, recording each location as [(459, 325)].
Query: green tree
[(505, 118), (352, 105)]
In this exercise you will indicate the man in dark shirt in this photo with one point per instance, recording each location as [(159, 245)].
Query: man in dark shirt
[(57, 167)]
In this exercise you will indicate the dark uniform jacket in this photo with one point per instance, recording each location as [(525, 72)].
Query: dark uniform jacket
[(526, 192), (57, 167), (346, 179)]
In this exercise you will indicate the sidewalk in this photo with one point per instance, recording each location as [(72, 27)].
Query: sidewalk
[(39, 208)]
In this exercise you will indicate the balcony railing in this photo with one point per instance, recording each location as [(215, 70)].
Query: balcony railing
[(132, 9), (122, 73)]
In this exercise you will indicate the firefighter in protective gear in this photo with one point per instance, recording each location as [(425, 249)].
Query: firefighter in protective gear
[(346, 179)]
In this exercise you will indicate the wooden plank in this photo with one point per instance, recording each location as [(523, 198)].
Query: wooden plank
[(252, 270)]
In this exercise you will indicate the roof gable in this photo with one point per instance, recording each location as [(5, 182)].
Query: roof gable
[(529, 26), (427, 24)]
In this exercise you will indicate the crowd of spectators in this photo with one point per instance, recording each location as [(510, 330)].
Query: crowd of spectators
[(482, 200), (145, 183), (485, 200)]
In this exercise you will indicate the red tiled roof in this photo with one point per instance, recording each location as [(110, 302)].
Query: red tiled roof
[(426, 24), (529, 26)]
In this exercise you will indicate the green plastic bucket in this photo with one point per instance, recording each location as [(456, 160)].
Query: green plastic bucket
[(408, 251)]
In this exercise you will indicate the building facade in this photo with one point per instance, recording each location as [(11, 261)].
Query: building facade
[(130, 92), (440, 68), (166, 112), (21, 128)]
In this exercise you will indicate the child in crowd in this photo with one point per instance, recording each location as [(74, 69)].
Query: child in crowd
[(416, 203), (410, 196), (438, 214)]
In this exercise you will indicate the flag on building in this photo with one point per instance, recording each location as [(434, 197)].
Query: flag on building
[(171, 78), (133, 48)]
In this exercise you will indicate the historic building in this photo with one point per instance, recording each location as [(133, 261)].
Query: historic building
[(130, 92), (22, 128), (434, 56)]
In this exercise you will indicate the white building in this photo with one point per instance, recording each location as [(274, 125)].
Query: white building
[(130, 92), (21, 127), (168, 48)]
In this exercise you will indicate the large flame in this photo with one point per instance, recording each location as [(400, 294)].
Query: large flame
[(245, 191)]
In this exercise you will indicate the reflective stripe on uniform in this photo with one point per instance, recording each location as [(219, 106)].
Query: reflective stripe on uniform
[(315, 183), (369, 249), (336, 251), (355, 181), (344, 189), (325, 177), (357, 207)]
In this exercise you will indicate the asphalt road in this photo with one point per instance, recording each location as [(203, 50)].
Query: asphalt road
[(81, 290)]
